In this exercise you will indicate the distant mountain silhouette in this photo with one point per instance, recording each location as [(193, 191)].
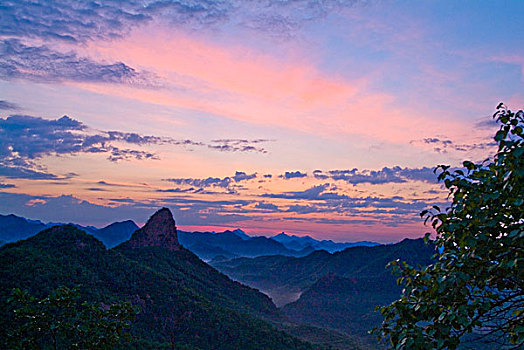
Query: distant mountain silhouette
[(229, 244), (13, 228), (206, 245), (241, 234), (116, 233), (302, 242)]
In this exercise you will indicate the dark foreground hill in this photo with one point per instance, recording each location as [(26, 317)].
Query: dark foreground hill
[(185, 304)]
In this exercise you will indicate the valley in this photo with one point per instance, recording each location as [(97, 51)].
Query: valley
[(316, 300)]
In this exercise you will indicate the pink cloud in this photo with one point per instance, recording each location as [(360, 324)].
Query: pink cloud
[(243, 84)]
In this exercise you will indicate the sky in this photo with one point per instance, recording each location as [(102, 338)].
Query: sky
[(321, 118)]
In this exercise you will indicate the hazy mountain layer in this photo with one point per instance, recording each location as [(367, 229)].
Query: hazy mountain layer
[(13, 228), (337, 291), (304, 242)]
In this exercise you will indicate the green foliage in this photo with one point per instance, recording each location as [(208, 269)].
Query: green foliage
[(184, 303), (476, 287), (61, 321)]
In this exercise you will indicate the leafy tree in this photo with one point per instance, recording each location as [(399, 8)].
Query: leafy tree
[(475, 288), (60, 321)]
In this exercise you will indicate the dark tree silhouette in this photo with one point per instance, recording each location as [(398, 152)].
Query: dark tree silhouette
[(61, 321), (475, 289)]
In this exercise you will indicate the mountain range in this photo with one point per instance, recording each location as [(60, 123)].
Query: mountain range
[(299, 243), (206, 245), (184, 303), (14, 228), (229, 244), (337, 291), (281, 292), (324, 299)]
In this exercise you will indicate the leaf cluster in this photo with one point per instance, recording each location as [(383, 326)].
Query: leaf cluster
[(61, 321), (476, 286)]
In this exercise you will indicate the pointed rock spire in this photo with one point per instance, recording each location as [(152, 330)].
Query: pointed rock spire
[(159, 231)]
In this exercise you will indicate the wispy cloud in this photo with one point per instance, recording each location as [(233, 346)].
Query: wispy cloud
[(6, 106), (78, 22), (334, 207), (26, 139), (41, 64), (2, 185), (265, 206), (197, 185), (21, 170), (443, 145), (96, 189), (202, 183), (284, 18), (293, 174), (239, 145), (487, 123), (309, 194), (242, 176), (68, 20), (385, 175)]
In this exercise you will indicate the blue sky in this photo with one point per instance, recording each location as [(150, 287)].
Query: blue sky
[(212, 107)]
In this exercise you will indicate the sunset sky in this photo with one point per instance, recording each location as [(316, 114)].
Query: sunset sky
[(311, 117)]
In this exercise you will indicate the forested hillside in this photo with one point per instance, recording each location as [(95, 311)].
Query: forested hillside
[(183, 302)]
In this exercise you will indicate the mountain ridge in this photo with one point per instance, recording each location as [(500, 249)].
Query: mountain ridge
[(169, 285), (159, 231), (338, 291), (116, 233), (14, 228), (210, 245), (301, 242)]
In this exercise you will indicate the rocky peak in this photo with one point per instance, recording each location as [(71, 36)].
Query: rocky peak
[(159, 231)]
